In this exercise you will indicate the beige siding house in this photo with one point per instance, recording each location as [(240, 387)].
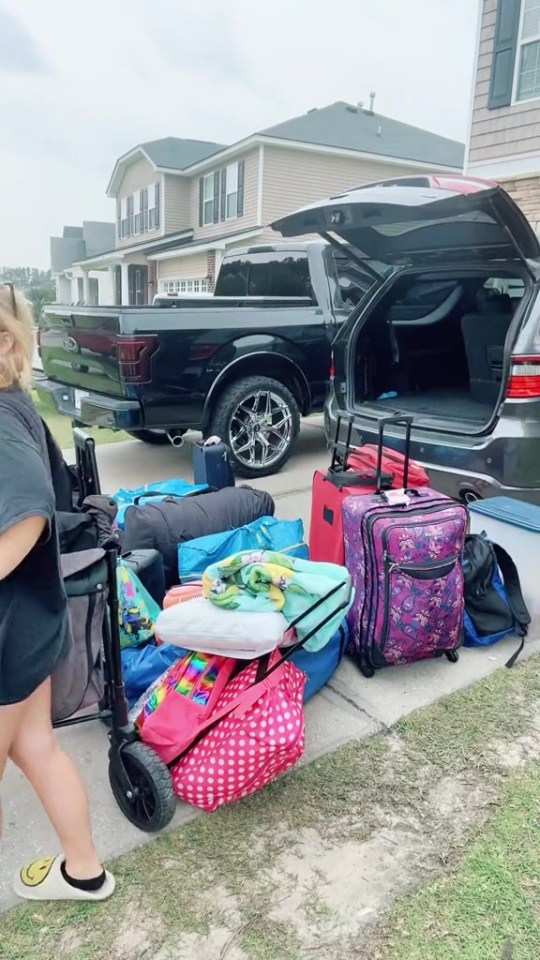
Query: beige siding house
[(182, 204), (504, 138)]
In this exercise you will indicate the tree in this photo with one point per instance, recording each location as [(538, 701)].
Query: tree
[(37, 285)]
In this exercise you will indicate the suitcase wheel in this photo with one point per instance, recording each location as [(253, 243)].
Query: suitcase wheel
[(452, 656), (149, 801)]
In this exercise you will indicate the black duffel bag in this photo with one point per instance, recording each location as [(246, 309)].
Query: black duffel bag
[(162, 526)]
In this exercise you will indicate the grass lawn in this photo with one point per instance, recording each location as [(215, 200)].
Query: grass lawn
[(60, 427), (419, 844)]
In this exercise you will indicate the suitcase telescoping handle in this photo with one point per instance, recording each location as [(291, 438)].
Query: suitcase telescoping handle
[(406, 422)]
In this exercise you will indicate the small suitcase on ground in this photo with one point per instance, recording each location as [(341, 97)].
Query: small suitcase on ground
[(404, 552), (351, 473), (211, 464), (148, 566)]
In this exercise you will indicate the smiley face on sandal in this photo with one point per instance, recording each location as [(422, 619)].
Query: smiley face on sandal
[(37, 871)]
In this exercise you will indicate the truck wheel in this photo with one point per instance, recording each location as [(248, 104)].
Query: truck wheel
[(259, 419), (153, 437)]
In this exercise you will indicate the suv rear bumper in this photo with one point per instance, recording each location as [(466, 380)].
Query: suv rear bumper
[(91, 409), (459, 471)]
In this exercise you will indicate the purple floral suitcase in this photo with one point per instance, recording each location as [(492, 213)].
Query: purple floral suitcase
[(405, 560)]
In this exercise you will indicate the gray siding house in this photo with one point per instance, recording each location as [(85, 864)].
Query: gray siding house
[(181, 205), (504, 137)]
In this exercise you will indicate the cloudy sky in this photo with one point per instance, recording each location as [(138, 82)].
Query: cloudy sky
[(82, 83)]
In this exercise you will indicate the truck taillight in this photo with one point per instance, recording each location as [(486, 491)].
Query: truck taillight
[(524, 382), (134, 355)]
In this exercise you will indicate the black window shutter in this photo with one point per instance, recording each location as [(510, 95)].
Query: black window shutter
[(157, 203), (240, 202), (504, 54), (223, 193), (217, 179), (201, 202), (119, 217)]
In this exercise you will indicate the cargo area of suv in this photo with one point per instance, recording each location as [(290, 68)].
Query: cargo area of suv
[(447, 333), (433, 347)]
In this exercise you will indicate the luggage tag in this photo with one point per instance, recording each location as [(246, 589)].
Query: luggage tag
[(396, 498)]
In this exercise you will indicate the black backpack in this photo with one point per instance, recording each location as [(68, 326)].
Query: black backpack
[(494, 604)]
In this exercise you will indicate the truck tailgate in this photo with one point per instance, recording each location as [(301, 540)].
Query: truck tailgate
[(81, 349)]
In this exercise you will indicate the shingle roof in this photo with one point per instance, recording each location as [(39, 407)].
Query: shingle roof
[(354, 128), (177, 154)]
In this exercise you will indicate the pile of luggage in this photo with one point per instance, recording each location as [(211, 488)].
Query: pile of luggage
[(228, 623)]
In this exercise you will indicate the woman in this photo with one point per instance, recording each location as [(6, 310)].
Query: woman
[(33, 627)]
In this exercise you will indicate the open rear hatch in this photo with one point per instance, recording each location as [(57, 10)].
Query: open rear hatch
[(448, 361), (85, 349), (421, 220)]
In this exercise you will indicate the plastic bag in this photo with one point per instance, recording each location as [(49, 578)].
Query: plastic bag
[(137, 612)]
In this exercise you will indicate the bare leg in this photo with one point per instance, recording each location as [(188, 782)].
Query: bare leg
[(10, 718), (56, 780)]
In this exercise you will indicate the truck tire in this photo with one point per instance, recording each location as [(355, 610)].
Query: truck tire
[(153, 437), (259, 420)]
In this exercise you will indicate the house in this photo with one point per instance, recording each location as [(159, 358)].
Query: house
[(182, 204), (504, 136), (75, 284)]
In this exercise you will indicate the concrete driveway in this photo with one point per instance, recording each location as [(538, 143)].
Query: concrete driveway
[(350, 708)]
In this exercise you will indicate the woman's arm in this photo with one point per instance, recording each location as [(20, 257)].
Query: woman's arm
[(17, 542)]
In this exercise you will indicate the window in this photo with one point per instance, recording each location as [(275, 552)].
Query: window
[(144, 208), (231, 191), (137, 211), (209, 194), (528, 75), (130, 216), (277, 274), (124, 224), (187, 287), (153, 207)]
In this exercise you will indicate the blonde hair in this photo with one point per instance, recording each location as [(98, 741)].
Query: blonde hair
[(16, 365)]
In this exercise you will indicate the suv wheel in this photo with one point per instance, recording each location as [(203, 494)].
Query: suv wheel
[(259, 419)]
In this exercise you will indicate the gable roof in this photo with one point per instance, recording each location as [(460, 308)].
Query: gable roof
[(168, 153), (344, 126), (175, 153)]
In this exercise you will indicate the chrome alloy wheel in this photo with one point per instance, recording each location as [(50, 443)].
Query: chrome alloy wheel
[(261, 429)]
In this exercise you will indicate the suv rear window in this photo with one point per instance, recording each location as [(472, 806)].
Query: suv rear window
[(265, 274)]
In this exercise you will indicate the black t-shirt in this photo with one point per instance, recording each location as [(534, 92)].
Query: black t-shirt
[(33, 612)]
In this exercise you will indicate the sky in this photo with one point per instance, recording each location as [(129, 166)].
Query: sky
[(80, 84)]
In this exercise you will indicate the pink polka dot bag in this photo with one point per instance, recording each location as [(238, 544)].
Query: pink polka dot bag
[(257, 733)]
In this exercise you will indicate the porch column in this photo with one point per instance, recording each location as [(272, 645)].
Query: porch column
[(86, 288), (125, 284)]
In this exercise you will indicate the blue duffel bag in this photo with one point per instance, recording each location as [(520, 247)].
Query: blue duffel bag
[(319, 666), (267, 533), (141, 666), (154, 493)]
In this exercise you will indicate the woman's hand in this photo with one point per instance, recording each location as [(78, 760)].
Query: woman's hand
[(17, 542)]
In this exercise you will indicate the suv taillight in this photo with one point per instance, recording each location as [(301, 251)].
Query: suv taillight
[(332, 368), (524, 382), (134, 355)]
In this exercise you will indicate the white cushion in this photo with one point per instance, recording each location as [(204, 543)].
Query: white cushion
[(199, 625)]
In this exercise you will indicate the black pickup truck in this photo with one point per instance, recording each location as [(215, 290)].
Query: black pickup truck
[(244, 364)]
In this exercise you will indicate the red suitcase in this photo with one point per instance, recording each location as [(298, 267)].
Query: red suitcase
[(353, 473)]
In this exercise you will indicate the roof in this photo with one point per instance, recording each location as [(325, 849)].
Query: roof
[(344, 126), (169, 153), (176, 153)]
